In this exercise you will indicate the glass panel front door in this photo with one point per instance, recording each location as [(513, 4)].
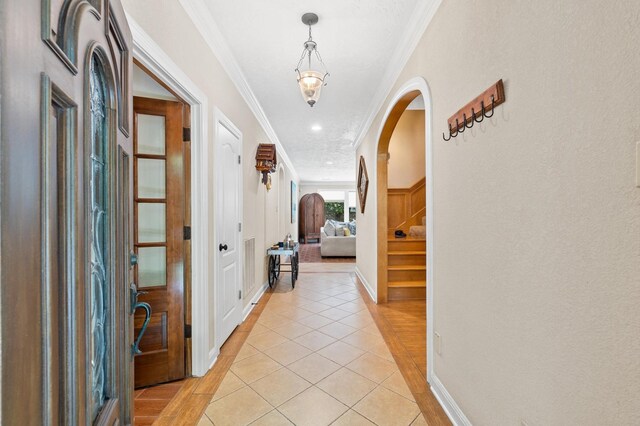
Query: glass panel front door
[(99, 240)]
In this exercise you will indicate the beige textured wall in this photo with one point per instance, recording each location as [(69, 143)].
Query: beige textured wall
[(537, 217), (310, 188), (406, 148), (169, 26)]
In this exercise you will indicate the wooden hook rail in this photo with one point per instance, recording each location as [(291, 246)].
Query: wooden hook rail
[(476, 110)]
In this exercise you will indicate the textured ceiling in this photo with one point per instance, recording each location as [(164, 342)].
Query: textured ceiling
[(355, 39)]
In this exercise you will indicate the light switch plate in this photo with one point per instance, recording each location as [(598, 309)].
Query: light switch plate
[(638, 164)]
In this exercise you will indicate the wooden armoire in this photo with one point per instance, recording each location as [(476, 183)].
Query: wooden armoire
[(311, 217)]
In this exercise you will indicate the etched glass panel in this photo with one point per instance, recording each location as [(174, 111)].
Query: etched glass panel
[(151, 138), (151, 178), (98, 239), (151, 223), (152, 266)]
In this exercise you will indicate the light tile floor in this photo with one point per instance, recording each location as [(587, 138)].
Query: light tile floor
[(315, 357)]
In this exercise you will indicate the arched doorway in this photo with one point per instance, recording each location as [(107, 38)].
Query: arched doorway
[(399, 103)]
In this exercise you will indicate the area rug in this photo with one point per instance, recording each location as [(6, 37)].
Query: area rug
[(310, 253)]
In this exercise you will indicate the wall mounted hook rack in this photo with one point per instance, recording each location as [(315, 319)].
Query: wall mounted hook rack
[(467, 116)]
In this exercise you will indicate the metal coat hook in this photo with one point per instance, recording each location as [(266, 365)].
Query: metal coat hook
[(476, 110), (481, 114), (450, 136), (472, 121), (493, 104)]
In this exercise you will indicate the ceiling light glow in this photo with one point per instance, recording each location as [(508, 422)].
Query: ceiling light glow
[(316, 127)]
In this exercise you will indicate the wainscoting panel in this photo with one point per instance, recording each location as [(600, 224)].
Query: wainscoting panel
[(406, 206)]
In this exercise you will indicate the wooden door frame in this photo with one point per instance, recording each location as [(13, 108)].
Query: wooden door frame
[(156, 61), (220, 119), (398, 104)]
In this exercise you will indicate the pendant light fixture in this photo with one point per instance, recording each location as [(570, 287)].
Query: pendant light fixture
[(311, 81)]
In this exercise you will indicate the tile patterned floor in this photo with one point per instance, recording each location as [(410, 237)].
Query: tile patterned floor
[(314, 357)]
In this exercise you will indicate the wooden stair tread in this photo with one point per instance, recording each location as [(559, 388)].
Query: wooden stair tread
[(408, 252), (407, 268), (396, 284)]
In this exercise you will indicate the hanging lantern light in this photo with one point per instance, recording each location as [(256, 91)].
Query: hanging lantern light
[(311, 81)]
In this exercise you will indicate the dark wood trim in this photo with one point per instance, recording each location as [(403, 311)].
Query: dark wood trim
[(150, 244), (186, 156), (150, 200), (151, 156)]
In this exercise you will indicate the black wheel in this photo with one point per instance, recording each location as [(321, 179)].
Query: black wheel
[(271, 274), (277, 266), (294, 271)]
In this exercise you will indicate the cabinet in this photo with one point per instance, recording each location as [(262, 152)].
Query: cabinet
[(311, 217)]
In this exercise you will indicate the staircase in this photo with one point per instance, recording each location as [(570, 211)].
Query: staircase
[(406, 270)]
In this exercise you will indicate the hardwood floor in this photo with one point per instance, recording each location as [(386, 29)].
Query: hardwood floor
[(149, 402), (408, 320), (403, 326)]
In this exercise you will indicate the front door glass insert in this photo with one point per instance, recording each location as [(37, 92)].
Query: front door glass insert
[(98, 239)]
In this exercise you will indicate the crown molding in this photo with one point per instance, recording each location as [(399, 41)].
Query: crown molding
[(327, 183), (420, 20), (206, 25)]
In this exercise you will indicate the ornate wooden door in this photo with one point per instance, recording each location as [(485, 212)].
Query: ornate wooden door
[(66, 319)]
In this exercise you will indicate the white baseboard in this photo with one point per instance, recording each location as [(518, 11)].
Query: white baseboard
[(213, 357), (367, 286), (258, 296), (447, 402)]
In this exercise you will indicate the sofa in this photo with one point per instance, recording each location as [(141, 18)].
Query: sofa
[(332, 245)]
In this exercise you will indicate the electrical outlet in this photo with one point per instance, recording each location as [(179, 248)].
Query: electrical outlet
[(438, 342)]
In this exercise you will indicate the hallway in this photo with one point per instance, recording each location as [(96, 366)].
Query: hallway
[(316, 356), (312, 356)]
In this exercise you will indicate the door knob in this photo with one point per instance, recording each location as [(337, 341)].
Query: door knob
[(134, 293), (135, 348), (222, 247)]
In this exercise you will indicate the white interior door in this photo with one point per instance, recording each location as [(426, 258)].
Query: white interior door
[(229, 209)]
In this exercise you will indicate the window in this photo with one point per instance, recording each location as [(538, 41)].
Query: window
[(334, 210), (339, 205), (352, 205)]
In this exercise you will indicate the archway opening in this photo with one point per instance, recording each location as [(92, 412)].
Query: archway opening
[(404, 207), (387, 241)]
